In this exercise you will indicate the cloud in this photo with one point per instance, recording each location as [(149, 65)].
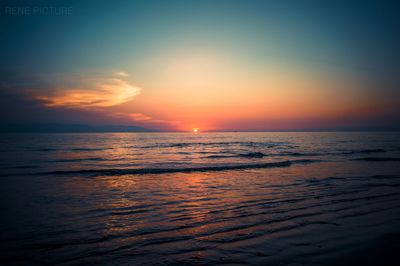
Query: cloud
[(84, 92), (143, 118), (121, 74), (72, 98), (140, 117)]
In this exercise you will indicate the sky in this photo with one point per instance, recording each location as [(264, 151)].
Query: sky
[(223, 65)]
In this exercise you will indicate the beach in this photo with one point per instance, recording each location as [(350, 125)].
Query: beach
[(200, 199)]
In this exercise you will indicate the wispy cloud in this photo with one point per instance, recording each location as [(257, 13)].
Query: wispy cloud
[(87, 92), (140, 117), (121, 74), (143, 118)]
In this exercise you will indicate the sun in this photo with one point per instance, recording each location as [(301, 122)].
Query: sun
[(195, 130)]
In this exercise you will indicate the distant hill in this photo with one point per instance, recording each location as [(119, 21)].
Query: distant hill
[(54, 128)]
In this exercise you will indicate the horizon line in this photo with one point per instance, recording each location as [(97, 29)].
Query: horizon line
[(213, 131)]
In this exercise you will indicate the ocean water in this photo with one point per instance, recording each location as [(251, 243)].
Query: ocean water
[(196, 199)]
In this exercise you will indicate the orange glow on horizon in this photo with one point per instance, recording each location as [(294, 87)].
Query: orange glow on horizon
[(214, 92)]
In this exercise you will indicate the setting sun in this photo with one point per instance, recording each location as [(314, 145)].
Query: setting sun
[(199, 132)]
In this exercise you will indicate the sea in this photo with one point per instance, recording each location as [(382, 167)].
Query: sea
[(265, 198)]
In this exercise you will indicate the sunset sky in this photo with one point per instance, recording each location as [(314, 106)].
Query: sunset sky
[(214, 65)]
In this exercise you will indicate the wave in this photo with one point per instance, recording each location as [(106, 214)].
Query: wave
[(20, 167), (378, 159), (87, 149), (42, 149), (228, 143), (221, 156), (76, 160), (142, 171), (244, 155), (301, 154), (253, 155), (62, 149), (364, 151)]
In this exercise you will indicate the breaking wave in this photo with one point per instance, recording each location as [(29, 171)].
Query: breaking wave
[(212, 168)]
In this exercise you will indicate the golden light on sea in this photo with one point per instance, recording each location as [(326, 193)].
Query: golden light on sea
[(195, 130)]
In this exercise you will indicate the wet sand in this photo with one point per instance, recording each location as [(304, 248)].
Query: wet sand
[(271, 216), (383, 250)]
